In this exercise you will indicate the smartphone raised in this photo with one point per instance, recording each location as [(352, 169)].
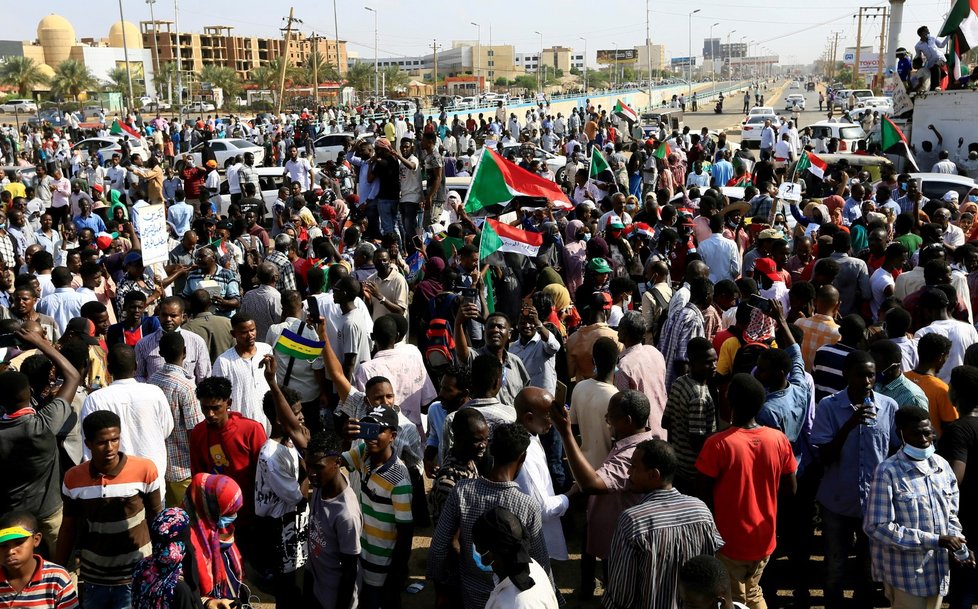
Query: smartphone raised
[(368, 430), (312, 310), (560, 394), (759, 302), (469, 295)]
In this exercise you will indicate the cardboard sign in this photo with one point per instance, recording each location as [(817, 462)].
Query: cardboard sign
[(153, 234), (790, 191)]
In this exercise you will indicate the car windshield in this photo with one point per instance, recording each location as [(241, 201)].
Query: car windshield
[(240, 143), (936, 190), (852, 133), (757, 119)]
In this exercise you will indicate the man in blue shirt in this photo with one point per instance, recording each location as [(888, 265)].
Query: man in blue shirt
[(853, 432), (86, 219), (180, 214)]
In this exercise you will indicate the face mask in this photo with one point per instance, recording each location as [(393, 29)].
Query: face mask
[(973, 198), (903, 185), (919, 454), (584, 237), (477, 558), (225, 521)]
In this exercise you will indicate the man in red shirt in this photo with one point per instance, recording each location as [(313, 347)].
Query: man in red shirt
[(193, 178), (227, 443), (744, 467)]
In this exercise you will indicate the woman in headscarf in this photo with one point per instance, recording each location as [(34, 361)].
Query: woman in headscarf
[(433, 297), (158, 580), (500, 546), (212, 503), (551, 252), (576, 237), (564, 312)]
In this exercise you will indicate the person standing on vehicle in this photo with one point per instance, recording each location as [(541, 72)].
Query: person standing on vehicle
[(436, 192), (410, 177), (247, 174), (926, 49), (386, 169)]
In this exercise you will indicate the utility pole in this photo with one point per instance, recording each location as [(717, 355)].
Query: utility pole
[(376, 65), (859, 44), (315, 70), (285, 59), (336, 33), (879, 64), (648, 49), (125, 55), (834, 55), (434, 49), (176, 25)]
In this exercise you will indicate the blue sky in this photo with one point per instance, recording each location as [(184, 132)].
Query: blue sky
[(797, 31)]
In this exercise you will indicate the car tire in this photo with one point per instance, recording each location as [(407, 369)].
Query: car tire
[(559, 176)]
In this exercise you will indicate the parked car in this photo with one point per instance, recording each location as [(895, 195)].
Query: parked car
[(27, 173), (225, 149), (847, 133), (270, 179), (936, 185), (557, 164), (19, 106), (795, 100), (195, 107), (750, 131), (767, 111), (109, 145), (51, 115), (329, 145)]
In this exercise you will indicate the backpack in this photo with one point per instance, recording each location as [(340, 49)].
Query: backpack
[(439, 349), (746, 358)]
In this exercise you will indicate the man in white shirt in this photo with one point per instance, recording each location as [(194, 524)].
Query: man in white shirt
[(65, 303), (533, 406), (239, 364), (944, 164), (116, 175), (234, 183), (768, 135), (298, 169), (145, 413), (953, 235), (927, 49), (933, 309)]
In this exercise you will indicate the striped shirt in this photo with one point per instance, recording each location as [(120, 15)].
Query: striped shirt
[(691, 416), (470, 500), (905, 393), (385, 499), (111, 510), (49, 588), (679, 329), (827, 370), (179, 390), (651, 543)]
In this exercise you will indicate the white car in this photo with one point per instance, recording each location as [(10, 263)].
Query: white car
[(795, 100), (555, 163), (110, 145), (750, 131), (328, 146), (762, 111), (847, 133), (883, 104), (270, 179), (936, 185), (225, 149), (19, 106), (198, 107)]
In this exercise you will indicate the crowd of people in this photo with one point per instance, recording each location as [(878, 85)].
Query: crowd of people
[(687, 384)]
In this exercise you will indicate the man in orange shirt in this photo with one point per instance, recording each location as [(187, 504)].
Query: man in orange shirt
[(745, 466), (932, 352)]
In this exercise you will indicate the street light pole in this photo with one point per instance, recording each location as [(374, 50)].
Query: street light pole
[(729, 54), (585, 62), (478, 61), (689, 53), (156, 49), (713, 60), (176, 26), (614, 74), (125, 55), (376, 68), (540, 62)]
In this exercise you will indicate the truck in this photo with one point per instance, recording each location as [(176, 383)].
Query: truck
[(953, 115)]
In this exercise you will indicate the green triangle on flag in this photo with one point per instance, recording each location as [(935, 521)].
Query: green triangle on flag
[(663, 151), (803, 163), (490, 241), (890, 135), (599, 165), (497, 181)]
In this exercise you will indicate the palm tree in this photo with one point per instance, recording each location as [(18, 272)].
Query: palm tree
[(118, 80), (23, 73), (166, 75), (394, 79), (223, 77), (326, 71), (360, 76), (72, 78)]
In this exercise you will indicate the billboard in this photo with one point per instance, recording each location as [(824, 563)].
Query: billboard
[(683, 61), (618, 56)]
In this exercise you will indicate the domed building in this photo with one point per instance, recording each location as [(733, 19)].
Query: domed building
[(133, 37), (57, 37)]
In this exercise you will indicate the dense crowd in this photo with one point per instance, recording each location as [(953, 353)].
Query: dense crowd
[(317, 376)]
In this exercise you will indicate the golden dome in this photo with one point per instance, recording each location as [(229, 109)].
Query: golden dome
[(56, 36), (134, 39), (46, 70)]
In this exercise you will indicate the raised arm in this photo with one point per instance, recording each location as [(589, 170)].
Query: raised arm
[(290, 423), (65, 369)]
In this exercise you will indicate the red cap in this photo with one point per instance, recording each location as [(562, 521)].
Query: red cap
[(767, 267)]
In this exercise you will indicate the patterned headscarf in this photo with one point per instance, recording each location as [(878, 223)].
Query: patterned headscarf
[(155, 576), (212, 503)]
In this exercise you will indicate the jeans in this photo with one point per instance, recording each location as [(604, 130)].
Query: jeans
[(411, 223), (387, 210), (371, 211), (839, 531), (95, 596)]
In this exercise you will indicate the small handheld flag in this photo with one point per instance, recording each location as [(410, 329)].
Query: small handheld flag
[(299, 347)]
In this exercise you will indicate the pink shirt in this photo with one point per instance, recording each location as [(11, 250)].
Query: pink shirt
[(404, 367), (642, 368), (603, 510)]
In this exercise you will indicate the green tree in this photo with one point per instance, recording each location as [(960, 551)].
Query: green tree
[(501, 81), (71, 79), (166, 76), (23, 73), (223, 77), (525, 81), (575, 72), (117, 80), (394, 79), (264, 77), (326, 71), (292, 72), (360, 76)]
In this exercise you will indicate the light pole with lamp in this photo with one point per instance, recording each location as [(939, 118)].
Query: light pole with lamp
[(125, 55), (156, 50), (729, 55), (478, 61), (689, 53), (540, 61), (376, 65), (585, 63), (614, 74), (713, 59), (746, 53)]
